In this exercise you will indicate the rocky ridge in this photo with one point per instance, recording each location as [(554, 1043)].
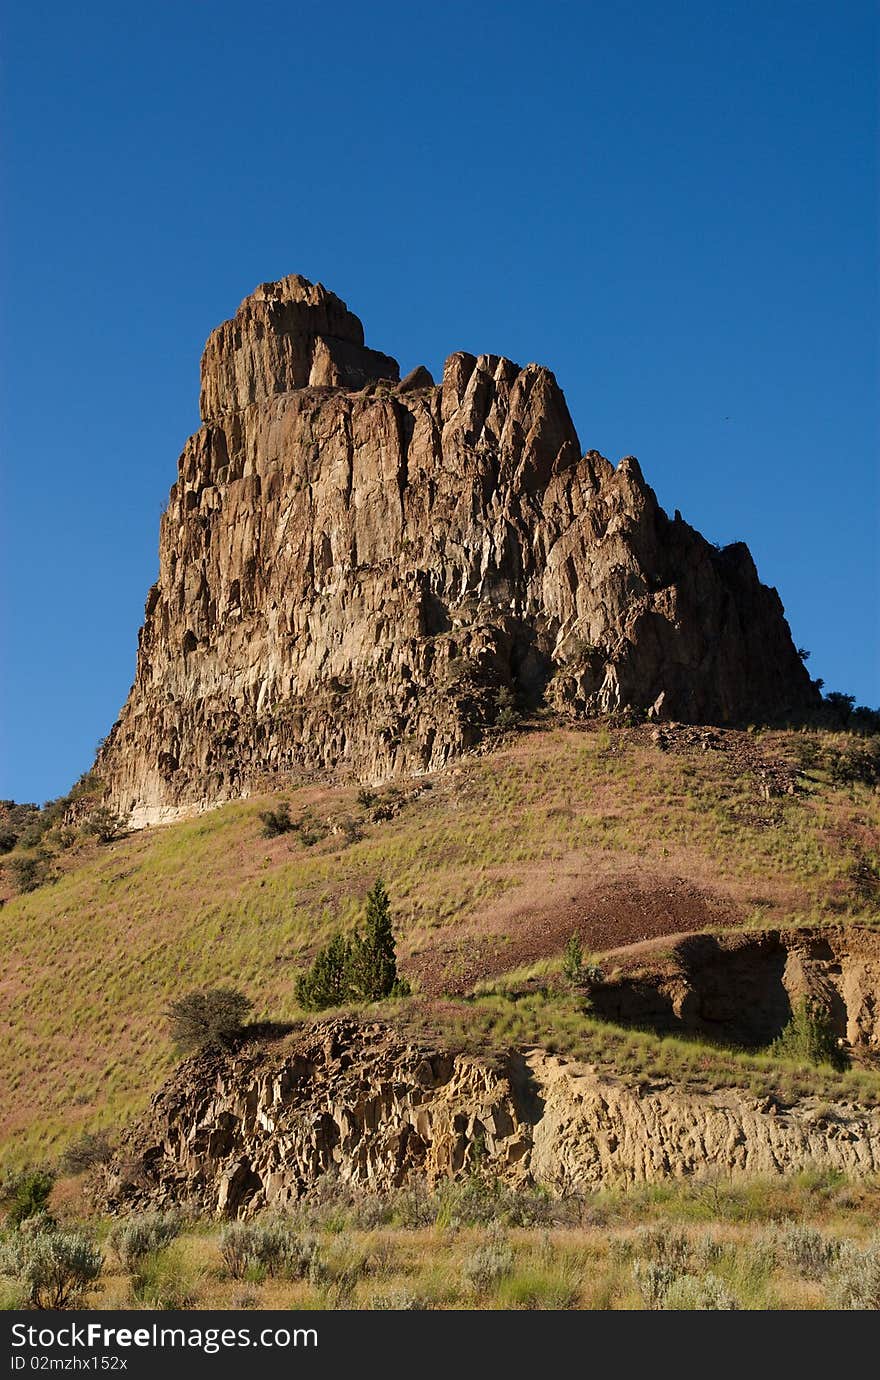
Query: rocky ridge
[(354, 1104), (351, 567)]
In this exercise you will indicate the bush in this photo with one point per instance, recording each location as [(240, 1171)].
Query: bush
[(208, 1020), (573, 962), (363, 968), (698, 1293), (810, 1035), (507, 714), (488, 1264), (55, 1267), (135, 1238), (274, 1248), (28, 871), (103, 824), (27, 1195), (91, 1149), (807, 1251), (857, 1285), (276, 822)]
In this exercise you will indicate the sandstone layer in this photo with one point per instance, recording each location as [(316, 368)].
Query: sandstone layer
[(351, 567), (355, 1105)]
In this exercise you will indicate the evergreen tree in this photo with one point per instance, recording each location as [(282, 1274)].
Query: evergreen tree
[(327, 982), (374, 960)]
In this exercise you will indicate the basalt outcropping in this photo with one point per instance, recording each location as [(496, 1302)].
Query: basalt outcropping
[(352, 567), (355, 1105)]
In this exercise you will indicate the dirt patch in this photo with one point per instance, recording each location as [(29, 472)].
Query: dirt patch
[(605, 909)]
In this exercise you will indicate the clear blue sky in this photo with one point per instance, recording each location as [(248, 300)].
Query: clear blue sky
[(673, 205)]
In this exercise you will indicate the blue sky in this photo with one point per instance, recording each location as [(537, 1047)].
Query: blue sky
[(671, 205)]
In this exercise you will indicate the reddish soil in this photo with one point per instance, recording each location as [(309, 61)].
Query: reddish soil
[(536, 921)]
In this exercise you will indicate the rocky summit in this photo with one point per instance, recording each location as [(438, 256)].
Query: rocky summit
[(357, 572)]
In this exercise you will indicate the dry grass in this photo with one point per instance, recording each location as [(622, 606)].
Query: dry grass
[(752, 1243), (491, 868)]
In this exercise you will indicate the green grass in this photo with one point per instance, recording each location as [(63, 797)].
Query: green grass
[(90, 962)]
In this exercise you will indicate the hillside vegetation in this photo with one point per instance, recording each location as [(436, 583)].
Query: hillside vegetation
[(616, 834)]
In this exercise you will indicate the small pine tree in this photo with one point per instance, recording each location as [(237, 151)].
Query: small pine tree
[(573, 963), (327, 982), (363, 968), (373, 965), (810, 1035)]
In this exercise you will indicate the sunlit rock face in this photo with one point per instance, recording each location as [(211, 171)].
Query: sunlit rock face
[(352, 566)]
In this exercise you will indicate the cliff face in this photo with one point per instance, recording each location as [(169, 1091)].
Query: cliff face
[(351, 567), (356, 1104)]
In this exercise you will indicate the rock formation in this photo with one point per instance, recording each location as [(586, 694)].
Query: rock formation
[(352, 568), (355, 1104)]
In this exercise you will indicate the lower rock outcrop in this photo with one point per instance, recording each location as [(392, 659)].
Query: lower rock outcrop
[(355, 1104)]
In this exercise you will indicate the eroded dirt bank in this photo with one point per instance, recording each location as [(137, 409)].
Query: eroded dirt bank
[(741, 987)]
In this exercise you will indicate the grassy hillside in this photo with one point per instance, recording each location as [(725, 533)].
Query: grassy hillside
[(490, 866)]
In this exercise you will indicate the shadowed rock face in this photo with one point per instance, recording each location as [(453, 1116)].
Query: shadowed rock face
[(351, 567)]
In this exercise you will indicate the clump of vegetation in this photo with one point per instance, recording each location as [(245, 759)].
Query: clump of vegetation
[(807, 1251), (578, 967), (573, 962), (89, 1150), (276, 822), (28, 871), (165, 1282), (134, 1238), (25, 1195), (810, 1035), (208, 1020), (507, 713), (254, 1250), (489, 1263), (360, 969), (698, 1293), (103, 824), (857, 1285), (55, 1267)]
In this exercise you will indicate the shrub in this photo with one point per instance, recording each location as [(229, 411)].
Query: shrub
[(91, 1149), (276, 822), (257, 1249), (135, 1238), (103, 824), (488, 1264), (28, 871), (807, 1251), (857, 1285), (698, 1293), (208, 1020), (55, 1267), (810, 1035), (27, 1195), (653, 1281), (507, 714), (573, 962), (8, 840)]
